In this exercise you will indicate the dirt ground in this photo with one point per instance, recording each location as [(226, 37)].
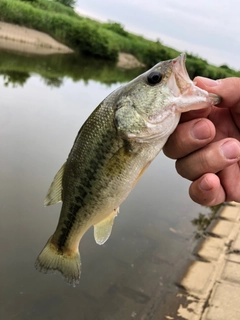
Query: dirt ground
[(128, 61), (14, 37)]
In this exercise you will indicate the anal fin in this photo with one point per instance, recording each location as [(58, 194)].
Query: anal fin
[(103, 229)]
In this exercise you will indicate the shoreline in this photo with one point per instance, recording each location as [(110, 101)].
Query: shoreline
[(22, 39)]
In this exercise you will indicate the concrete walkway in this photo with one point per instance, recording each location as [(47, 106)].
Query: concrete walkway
[(211, 284)]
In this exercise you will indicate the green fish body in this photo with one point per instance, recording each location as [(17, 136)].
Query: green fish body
[(110, 153)]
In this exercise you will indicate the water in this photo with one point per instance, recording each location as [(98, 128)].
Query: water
[(133, 275)]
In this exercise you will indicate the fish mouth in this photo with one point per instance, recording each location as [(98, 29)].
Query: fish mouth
[(179, 81), (180, 76), (179, 66), (182, 86)]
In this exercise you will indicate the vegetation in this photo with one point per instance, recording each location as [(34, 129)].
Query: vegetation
[(68, 3), (53, 69), (79, 33), (102, 40), (204, 220)]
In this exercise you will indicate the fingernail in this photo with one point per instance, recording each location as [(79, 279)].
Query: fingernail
[(201, 130), (230, 150), (208, 82), (204, 185)]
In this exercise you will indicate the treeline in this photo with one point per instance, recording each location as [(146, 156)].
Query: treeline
[(103, 40)]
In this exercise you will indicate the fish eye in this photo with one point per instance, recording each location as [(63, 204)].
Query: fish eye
[(154, 77)]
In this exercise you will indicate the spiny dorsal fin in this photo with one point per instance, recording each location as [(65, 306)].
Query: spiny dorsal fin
[(103, 229), (54, 194)]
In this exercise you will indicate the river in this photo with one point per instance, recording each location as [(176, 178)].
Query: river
[(43, 102)]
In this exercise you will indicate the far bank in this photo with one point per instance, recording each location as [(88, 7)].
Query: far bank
[(17, 38), (100, 40)]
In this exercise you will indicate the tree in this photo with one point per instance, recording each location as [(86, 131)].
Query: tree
[(116, 27), (68, 3), (154, 53)]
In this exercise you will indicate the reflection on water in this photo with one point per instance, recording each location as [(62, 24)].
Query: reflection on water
[(15, 78), (17, 68), (131, 276)]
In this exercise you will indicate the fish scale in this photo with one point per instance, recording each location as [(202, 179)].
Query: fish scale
[(110, 153), (87, 165)]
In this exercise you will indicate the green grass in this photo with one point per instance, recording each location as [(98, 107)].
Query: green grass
[(52, 6), (76, 32), (102, 40)]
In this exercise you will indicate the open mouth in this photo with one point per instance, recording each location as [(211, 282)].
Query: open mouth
[(179, 81), (183, 82), (183, 85), (179, 68)]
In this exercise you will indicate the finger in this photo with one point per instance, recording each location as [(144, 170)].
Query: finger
[(230, 177), (212, 158), (228, 89), (207, 190), (200, 113), (188, 137)]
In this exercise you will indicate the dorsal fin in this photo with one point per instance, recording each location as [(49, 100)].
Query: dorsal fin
[(54, 194), (103, 229)]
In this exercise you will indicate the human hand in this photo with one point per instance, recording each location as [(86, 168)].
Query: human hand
[(206, 145)]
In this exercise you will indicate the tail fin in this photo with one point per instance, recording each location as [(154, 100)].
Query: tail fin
[(51, 260)]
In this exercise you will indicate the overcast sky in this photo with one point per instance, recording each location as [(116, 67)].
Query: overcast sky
[(208, 28)]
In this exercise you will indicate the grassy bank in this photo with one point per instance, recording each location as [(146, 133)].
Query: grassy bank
[(104, 40), (72, 30)]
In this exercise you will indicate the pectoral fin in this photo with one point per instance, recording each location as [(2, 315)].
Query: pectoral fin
[(103, 229), (141, 173), (54, 194)]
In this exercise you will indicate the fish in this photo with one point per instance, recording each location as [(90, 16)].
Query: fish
[(112, 150)]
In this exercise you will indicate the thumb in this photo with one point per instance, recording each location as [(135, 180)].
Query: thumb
[(228, 89)]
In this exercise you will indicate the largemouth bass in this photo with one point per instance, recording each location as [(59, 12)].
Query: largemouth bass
[(110, 153)]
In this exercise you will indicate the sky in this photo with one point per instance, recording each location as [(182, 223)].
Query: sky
[(209, 29)]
